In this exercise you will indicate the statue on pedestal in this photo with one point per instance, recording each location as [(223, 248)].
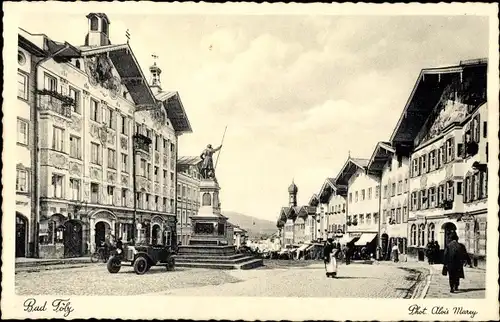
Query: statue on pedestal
[(207, 169)]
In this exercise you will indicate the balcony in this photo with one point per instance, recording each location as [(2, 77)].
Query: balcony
[(142, 143), (55, 102)]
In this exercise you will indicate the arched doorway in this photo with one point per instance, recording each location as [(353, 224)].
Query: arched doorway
[(156, 234), (385, 245), (21, 235), (449, 229), (102, 228), (73, 238)]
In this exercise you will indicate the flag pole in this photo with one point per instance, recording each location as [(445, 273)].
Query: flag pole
[(218, 154)]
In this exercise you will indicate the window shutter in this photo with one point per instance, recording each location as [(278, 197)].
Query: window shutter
[(445, 157), (427, 162), (452, 144), (419, 199), (478, 128), (419, 165)]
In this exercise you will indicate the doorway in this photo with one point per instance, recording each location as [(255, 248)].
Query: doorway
[(385, 246), (73, 238), (101, 229), (156, 235), (21, 234)]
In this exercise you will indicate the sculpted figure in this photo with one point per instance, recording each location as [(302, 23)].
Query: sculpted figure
[(207, 163)]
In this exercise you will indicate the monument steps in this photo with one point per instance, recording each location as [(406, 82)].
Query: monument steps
[(203, 256), (213, 260), (249, 263)]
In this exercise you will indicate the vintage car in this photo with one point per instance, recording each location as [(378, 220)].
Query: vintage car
[(141, 258)]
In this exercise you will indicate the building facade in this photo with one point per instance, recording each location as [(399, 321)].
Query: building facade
[(391, 166), (188, 195), (332, 199), (448, 175), (362, 204), (93, 104)]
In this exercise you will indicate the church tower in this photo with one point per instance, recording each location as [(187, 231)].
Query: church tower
[(98, 30), (292, 192), (155, 83)]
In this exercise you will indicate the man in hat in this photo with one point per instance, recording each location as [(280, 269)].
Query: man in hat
[(207, 163)]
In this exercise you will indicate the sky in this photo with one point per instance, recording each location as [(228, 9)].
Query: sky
[(297, 93)]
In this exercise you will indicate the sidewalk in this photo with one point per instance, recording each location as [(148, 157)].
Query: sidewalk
[(34, 262), (472, 287)]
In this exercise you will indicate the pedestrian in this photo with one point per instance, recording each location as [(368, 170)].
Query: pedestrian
[(436, 253), (455, 255), (430, 252), (395, 253), (329, 258), (348, 253)]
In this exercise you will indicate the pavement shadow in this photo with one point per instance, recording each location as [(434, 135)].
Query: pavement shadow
[(351, 277), (155, 271), (466, 290)]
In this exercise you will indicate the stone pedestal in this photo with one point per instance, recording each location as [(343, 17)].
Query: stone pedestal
[(209, 246)]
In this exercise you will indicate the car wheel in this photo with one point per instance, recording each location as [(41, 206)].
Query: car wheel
[(114, 265), (141, 265), (170, 265), (94, 258)]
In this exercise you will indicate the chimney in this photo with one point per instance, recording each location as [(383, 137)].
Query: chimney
[(155, 77), (98, 30)]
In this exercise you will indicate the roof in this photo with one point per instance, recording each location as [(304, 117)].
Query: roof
[(427, 92), (314, 200), (293, 188), (382, 153), (327, 190), (188, 160), (41, 45), (175, 111), (100, 15), (349, 168), (129, 70)]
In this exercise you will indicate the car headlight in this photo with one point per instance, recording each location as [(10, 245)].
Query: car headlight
[(118, 251)]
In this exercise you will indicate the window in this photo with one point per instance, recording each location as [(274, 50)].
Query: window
[(476, 186), (146, 206), (440, 194), (124, 197), (75, 95), (377, 191), (393, 189), (95, 153), (164, 176), (57, 185), (94, 193), (398, 215), (94, 110), (22, 132), (142, 165), (111, 192), (432, 160), (105, 27), (361, 219), (449, 191), (157, 174), (94, 23), (405, 214), (106, 116), (414, 201), (58, 139), (386, 192), (22, 86), (423, 199), (375, 217), (165, 204), (350, 197), (362, 194), (157, 203), (74, 147), (148, 170), (369, 193), (421, 235), (368, 219), (406, 188), (157, 143), (400, 187), (393, 214), (124, 124), (74, 186), (423, 162), (459, 188), (439, 159), (111, 159), (432, 197), (21, 180), (449, 150), (415, 167), (124, 162), (178, 190), (431, 232), (413, 235), (390, 165), (485, 129), (50, 83), (400, 161)]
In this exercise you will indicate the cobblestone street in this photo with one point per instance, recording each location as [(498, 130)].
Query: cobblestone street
[(292, 279), (472, 287)]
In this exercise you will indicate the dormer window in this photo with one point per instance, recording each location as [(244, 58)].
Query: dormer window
[(94, 24), (105, 27), (77, 64)]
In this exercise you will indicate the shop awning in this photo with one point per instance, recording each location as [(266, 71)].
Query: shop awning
[(365, 238), (309, 247), (303, 247), (345, 239)]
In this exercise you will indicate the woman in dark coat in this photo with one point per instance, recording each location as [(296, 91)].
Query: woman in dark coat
[(429, 252), (454, 257)]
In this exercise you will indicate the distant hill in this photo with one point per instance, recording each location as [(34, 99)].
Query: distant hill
[(256, 227)]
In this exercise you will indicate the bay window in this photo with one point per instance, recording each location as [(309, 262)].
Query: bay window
[(58, 139), (57, 186)]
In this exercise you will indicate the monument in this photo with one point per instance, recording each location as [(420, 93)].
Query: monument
[(210, 246)]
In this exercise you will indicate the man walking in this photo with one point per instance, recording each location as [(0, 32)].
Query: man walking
[(455, 255)]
